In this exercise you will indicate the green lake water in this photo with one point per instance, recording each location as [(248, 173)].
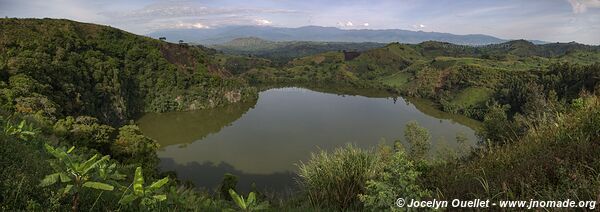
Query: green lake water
[(261, 142)]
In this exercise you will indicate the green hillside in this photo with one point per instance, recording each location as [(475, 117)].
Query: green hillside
[(61, 67), (65, 83), (458, 78)]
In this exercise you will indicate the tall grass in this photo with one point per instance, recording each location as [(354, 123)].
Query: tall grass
[(334, 180)]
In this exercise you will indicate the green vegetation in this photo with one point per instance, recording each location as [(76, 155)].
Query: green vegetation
[(248, 204), (144, 196), (467, 98), (65, 84), (396, 80), (76, 173), (22, 131), (419, 140), (552, 160), (336, 179), (351, 178), (398, 177), (284, 51), (459, 79), (55, 68)]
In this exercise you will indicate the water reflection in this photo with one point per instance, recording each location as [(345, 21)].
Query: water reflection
[(186, 127), (209, 175), (263, 141), (428, 108)]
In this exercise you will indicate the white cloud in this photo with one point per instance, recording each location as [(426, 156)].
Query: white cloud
[(346, 24), (418, 26), (182, 25), (263, 22), (581, 6), (350, 24)]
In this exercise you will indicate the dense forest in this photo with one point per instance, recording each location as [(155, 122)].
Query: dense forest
[(69, 92), (64, 68)]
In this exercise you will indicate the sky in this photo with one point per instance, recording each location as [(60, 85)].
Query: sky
[(548, 20)]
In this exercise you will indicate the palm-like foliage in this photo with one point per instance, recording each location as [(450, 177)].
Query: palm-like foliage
[(108, 172), (249, 204), (23, 130), (76, 173), (147, 196)]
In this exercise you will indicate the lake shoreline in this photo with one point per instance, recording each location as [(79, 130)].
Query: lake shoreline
[(293, 122)]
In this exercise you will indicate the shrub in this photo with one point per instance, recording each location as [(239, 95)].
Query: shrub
[(397, 178)]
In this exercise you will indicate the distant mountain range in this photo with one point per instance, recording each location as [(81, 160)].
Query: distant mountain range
[(221, 35)]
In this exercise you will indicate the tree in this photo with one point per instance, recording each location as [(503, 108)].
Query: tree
[(86, 131), (132, 147), (497, 128), (75, 173)]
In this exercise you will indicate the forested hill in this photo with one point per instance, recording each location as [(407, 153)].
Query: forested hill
[(518, 48), (459, 78), (52, 68)]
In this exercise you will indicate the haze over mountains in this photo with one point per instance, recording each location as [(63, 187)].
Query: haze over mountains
[(211, 36)]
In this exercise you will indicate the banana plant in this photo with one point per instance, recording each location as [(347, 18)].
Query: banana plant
[(249, 204), (74, 172), (23, 131), (108, 173), (147, 196)]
